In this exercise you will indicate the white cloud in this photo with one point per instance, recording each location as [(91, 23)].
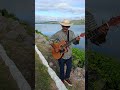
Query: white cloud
[(62, 5), (68, 9)]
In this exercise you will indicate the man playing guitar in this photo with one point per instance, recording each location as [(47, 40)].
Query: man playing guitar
[(65, 35)]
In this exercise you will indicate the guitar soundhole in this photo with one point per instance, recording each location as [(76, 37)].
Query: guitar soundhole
[(62, 49)]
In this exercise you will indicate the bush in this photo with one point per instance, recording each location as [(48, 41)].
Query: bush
[(78, 57), (103, 71), (38, 32)]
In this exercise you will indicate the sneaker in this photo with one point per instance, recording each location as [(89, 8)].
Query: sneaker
[(68, 82)]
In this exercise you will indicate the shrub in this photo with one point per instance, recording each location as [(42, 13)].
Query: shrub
[(78, 57)]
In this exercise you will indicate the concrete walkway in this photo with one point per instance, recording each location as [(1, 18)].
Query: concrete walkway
[(17, 75)]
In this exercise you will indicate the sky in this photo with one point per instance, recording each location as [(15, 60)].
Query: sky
[(46, 10)]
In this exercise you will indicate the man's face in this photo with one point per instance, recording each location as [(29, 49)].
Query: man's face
[(65, 28)]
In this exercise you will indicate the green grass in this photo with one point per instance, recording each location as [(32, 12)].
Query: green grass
[(38, 32), (78, 57), (6, 80), (42, 79), (103, 71)]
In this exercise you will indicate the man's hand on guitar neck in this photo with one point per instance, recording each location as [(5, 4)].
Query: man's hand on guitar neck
[(81, 35)]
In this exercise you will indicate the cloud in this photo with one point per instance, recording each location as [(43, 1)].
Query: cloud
[(66, 7), (61, 7)]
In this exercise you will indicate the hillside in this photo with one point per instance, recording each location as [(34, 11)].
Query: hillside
[(78, 22), (75, 22), (17, 38)]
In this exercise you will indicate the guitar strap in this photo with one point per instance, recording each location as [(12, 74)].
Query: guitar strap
[(68, 36)]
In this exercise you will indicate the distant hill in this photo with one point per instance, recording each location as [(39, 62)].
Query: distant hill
[(48, 22), (75, 22)]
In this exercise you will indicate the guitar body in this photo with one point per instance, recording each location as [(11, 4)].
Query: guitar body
[(56, 49)]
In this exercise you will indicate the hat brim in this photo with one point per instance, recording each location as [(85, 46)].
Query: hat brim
[(63, 24)]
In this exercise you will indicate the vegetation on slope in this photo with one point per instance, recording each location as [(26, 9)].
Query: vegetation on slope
[(104, 72), (19, 50), (43, 80), (78, 57), (38, 32)]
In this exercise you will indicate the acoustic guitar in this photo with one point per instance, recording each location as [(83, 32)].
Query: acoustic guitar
[(96, 36), (58, 49)]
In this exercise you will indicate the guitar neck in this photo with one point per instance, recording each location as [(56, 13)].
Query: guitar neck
[(69, 43), (97, 31)]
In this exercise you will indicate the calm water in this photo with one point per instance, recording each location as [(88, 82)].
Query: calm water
[(50, 29)]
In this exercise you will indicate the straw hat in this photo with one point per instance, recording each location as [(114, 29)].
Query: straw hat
[(66, 22)]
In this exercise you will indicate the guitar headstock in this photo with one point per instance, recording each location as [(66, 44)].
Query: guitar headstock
[(82, 34), (114, 21)]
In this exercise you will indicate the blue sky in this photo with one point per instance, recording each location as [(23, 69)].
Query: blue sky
[(59, 9)]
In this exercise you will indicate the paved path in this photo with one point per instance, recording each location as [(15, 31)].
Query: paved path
[(17, 75)]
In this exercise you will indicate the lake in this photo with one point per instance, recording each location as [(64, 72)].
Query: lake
[(50, 29)]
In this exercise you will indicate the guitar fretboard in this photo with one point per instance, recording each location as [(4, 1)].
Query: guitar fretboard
[(73, 40), (96, 32)]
